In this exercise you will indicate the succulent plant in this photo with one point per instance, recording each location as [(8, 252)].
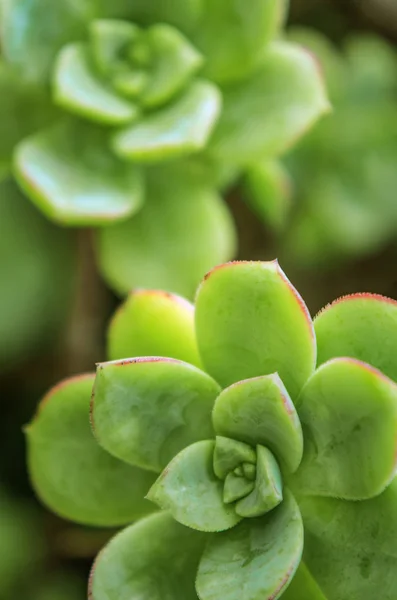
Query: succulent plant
[(132, 116), (344, 171), (268, 441)]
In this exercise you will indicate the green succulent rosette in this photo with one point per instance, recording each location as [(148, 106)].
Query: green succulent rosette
[(267, 440), (131, 117), (343, 172)]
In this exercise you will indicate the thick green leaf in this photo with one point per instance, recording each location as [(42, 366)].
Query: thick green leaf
[(348, 412), (251, 321), (232, 36), (303, 586), (175, 61), (351, 547), (24, 108), (230, 454), (258, 557), (145, 410), (268, 191), (190, 490), (77, 88), (154, 323), (260, 411), (155, 559), (264, 115), (69, 470), (32, 31), (109, 42), (38, 268), (73, 178), (268, 489), (236, 487), (363, 326), (180, 128), (138, 253)]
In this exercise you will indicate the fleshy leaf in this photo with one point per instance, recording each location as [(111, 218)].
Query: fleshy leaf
[(153, 559), (71, 176), (78, 89), (268, 490), (232, 37), (109, 41), (250, 321), (259, 556), (189, 488), (145, 410), (32, 32), (181, 128), (348, 412), (236, 487), (350, 547), (283, 98), (229, 454), (175, 61), (303, 586), (268, 191), (70, 471), (138, 253), (154, 323), (362, 326), (260, 411)]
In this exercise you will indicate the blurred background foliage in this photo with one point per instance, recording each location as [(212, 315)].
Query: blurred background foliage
[(329, 214)]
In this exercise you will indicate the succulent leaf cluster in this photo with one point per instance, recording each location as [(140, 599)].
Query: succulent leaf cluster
[(132, 117), (267, 440)]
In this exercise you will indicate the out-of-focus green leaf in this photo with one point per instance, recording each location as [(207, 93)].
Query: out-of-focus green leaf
[(259, 556), (130, 394), (32, 31), (37, 263), (232, 35), (72, 176), (23, 109), (154, 323), (78, 89), (180, 206), (263, 115), (250, 321), (155, 559), (109, 41), (303, 586), (180, 128), (71, 473), (190, 490)]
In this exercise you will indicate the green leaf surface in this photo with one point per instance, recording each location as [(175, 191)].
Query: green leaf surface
[(268, 489), (230, 454), (260, 411), (180, 128), (258, 557), (232, 37), (351, 547), (250, 321), (145, 410), (109, 41), (154, 559), (348, 412), (70, 175), (138, 253), (303, 586), (24, 108), (268, 192), (236, 487), (190, 490), (69, 470), (78, 89), (362, 326), (38, 269), (175, 61), (283, 98), (32, 32), (154, 323)]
